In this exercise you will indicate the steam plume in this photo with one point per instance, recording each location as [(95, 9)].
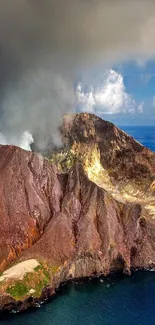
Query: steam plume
[(45, 45)]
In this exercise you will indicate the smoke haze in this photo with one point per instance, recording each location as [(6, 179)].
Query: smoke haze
[(43, 46)]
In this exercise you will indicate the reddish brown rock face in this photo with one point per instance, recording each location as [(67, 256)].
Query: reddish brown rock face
[(79, 226), (30, 195), (95, 232)]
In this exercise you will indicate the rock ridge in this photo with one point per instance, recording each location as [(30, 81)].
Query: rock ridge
[(94, 217)]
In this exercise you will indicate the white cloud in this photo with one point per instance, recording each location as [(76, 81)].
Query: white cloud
[(110, 97), (23, 141), (85, 101), (140, 108)]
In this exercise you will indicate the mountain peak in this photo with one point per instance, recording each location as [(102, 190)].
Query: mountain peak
[(88, 210)]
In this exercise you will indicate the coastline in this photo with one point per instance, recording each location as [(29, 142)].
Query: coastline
[(49, 293)]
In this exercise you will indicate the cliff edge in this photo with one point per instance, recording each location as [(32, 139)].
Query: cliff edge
[(87, 210)]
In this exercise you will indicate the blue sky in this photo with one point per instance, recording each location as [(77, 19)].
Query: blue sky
[(123, 94), (139, 79)]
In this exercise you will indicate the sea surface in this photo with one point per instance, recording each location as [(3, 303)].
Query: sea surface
[(117, 300), (143, 134)]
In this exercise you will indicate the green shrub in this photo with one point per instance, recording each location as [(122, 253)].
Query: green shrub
[(18, 290)]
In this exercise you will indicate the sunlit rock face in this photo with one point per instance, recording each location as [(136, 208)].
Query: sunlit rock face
[(110, 158), (88, 157), (89, 209)]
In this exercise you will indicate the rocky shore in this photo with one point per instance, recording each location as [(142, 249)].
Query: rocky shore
[(87, 210)]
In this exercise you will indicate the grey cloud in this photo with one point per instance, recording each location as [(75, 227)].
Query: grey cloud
[(44, 43)]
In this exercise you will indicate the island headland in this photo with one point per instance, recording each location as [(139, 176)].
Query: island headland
[(86, 210)]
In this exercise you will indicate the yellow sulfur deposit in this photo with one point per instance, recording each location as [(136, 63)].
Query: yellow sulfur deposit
[(89, 157)]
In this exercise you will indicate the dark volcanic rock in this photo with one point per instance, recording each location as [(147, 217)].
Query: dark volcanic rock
[(74, 226)]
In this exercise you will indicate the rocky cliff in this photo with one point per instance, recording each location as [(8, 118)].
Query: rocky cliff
[(87, 210)]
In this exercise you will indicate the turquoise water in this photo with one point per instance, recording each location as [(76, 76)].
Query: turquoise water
[(115, 301)]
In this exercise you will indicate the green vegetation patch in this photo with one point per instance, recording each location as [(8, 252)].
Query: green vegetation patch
[(37, 268), (36, 280), (47, 274), (18, 290)]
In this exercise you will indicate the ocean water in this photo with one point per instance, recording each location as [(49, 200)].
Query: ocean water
[(113, 301), (143, 134), (116, 301)]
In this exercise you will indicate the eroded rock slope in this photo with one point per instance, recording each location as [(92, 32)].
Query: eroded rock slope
[(88, 210)]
